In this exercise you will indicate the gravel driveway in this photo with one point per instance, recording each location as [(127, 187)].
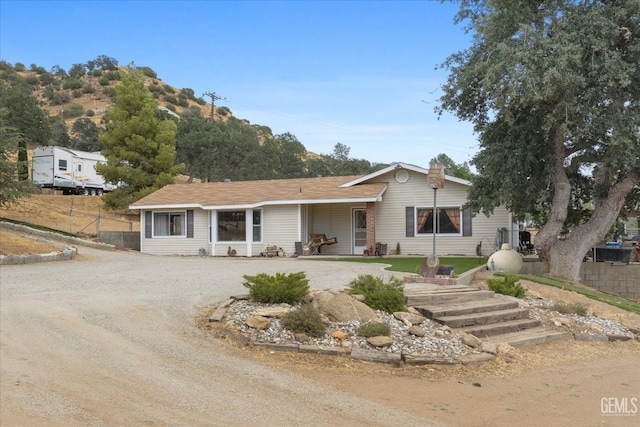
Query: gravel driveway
[(109, 339)]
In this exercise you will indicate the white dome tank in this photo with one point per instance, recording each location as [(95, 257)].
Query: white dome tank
[(506, 260)]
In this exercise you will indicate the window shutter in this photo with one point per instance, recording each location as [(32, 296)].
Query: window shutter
[(466, 222), (410, 221), (190, 224), (147, 224)]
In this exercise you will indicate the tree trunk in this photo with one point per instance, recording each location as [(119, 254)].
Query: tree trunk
[(563, 258)]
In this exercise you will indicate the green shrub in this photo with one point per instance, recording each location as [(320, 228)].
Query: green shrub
[(574, 308), (154, 88), (77, 93), (172, 107), (168, 89), (104, 81), (110, 92), (19, 67), (378, 295), (305, 319), (374, 330), (90, 113), (223, 111), (73, 110), (32, 80), (147, 71), (281, 288), (507, 286), (87, 88), (72, 84), (112, 75), (171, 99), (201, 101)]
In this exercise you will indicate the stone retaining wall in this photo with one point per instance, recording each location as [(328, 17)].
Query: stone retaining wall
[(619, 279), (66, 243)]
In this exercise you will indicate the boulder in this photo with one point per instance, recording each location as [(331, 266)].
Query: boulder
[(409, 319), (417, 331), (380, 341), (340, 335), (344, 308), (470, 340), (272, 311), (258, 322)]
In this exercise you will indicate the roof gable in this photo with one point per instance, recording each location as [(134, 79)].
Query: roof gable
[(396, 166)]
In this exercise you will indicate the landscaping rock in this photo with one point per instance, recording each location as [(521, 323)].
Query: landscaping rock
[(409, 319), (340, 335), (470, 340), (344, 308), (417, 331), (380, 341), (273, 311), (258, 322)]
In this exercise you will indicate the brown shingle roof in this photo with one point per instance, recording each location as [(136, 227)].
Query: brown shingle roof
[(252, 193)]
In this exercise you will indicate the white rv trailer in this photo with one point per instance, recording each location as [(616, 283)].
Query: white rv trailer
[(72, 171)]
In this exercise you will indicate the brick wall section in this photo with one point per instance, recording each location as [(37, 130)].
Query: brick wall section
[(371, 225), (619, 279)]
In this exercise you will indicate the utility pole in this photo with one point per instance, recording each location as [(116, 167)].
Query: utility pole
[(214, 98)]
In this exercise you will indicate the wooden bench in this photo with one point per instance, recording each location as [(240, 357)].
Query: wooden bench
[(316, 241)]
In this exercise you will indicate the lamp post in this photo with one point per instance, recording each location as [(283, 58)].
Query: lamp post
[(435, 179)]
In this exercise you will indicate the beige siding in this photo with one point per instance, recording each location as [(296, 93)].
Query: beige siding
[(279, 228), (390, 218), (333, 221), (178, 245)]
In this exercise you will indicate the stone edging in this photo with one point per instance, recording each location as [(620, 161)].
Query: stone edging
[(67, 252)]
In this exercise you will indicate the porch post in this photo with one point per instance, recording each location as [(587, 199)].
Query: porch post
[(371, 225)]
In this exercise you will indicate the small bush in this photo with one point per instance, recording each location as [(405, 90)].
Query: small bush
[(73, 110), (378, 295), (374, 330), (110, 92), (147, 71), (87, 88), (19, 67), (168, 89), (90, 113), (507, 286), (305, 319), (112, 75), (104, 81), (72, 84), (575, 308), (171, 99), (281, 288), (201, 101)]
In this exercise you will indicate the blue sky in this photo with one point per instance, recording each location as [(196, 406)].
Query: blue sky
[(359, 73)]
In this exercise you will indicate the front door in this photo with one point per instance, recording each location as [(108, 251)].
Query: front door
[(359, 231)]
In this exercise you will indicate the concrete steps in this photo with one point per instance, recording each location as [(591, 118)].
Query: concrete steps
[(493, 318), (527, 337), (502, 327)]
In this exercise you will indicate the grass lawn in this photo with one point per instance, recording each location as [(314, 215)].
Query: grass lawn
[(412, 265)]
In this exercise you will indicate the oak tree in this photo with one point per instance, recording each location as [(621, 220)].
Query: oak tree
[(553, 90)]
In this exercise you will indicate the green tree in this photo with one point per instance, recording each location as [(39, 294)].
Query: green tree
[(452, 168), (11, 188), (59, 132), (140, 149), (283, 157), (85, 135), (27, 118), (553, 90)]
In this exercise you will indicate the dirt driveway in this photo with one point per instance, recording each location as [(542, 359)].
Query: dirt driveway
[(110, 338)]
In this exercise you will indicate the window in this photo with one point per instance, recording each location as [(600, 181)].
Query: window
[(447, 221), (79, 167), (232, 226), (62, 165), (257, 225), (169, 224)]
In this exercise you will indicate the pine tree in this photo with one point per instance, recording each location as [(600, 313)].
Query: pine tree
[(140, 149)]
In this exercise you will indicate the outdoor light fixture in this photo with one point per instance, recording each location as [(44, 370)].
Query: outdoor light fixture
[(435, 179)]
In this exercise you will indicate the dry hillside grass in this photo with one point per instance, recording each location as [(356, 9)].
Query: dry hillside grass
[(83, 215)]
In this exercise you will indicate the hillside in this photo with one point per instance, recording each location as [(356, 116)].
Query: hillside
[(74, 94)]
